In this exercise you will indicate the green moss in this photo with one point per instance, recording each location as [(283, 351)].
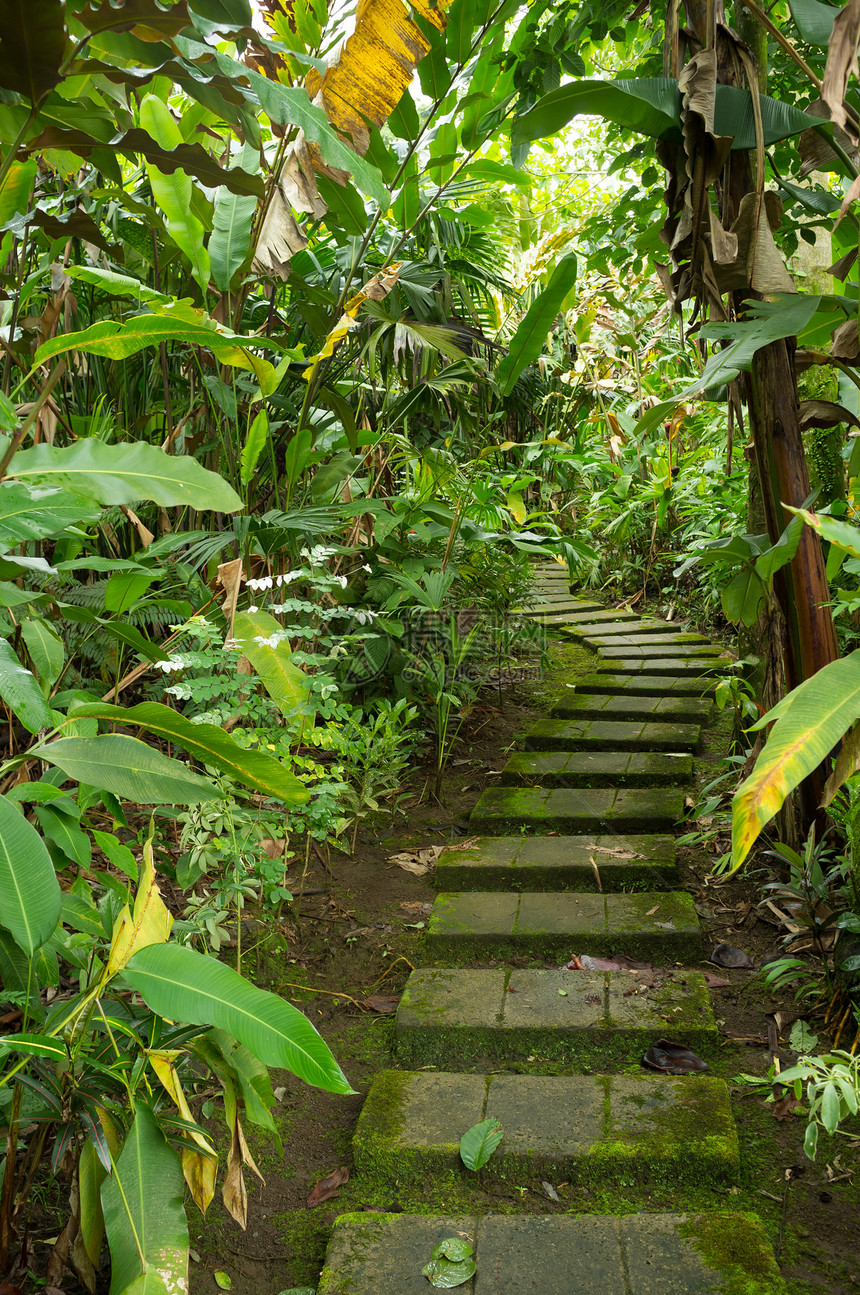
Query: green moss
[(736, 1247)]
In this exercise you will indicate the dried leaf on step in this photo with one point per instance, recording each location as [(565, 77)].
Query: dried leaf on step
[(550, 1191), (783, 1109), (715, 982), (328, 1188)]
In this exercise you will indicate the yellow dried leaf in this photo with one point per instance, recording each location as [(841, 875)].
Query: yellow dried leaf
[(149, 923)]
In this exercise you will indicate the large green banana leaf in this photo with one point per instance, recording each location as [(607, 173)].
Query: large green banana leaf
[(210, 744), (174, 191), (652, 106), (183, 985), (530, 337), (30, 898), (128, 768), (21, 693), (144, 1214), (813, 20), (287, 685)]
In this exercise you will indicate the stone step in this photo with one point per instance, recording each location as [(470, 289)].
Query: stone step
[(557, 607), (501, 810), (557, 1254), (607, 617), (597, 769), (559, 863), (602, 1020), (645, 685), (583, 704), (662, 928), (582, 1129), (666, 638), (675, 667), (654, 648), (618, 625), (610, 735)]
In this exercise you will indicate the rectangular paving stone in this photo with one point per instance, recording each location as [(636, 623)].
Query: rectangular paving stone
[(608, 617), (665, 638), (610, 735), (474, 924), (646, 685), (581, 1128), (597, 769), (591, 809), (674, 666), (557, 1254), (541, 606), (654, 649), (583, 1018), (582, 704), (559, 863)]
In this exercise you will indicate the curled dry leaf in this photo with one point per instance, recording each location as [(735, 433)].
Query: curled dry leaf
[(726, 955), (673, 1059), (418, 862), (785, 1107), (550, 1191), (328, 1188), (716, 982), (584, 962), (381, 1003)]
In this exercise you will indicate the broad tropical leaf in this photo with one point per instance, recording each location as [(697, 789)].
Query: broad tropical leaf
[(128, 768), (813, 20), (211, 745), (21, 693), (184, 985), (255, 442), (144, 1214), (125, 473), (809, 723), (744, 597), (832, 529), (652, 106), (29, 511), (530, 337), (30, 898), (261, 638), (174, 192), (230, 241), (47, 651), (32, 46), (478, 1143)]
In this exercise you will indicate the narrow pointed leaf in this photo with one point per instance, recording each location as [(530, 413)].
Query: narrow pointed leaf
[(530, 337), (20, 691), (184, 985), (174, 192)]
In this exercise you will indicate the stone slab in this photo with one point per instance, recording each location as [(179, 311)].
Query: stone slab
[(582, 704), (557, 1254), (610, 735), (605, 618), (597, 769), (674, 666), (657, 649), (559, 863), (493, 924), (579, 1128), (640, 810), (646, 685), (583, 1018), (554, 606), (665, 638)]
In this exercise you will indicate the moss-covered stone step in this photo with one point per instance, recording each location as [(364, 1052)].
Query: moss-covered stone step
[(653, 648), (610, 735), (605, 617), (580, 1128), (585, 704), (545, 605), (560, 863), (603, 1020), (597, 769), (663, 928), (674, 667), (641, 1254), (619, 626), (646, 685), (592, 809), (654, 639)]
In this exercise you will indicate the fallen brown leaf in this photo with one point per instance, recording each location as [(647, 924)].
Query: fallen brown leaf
[(418, 862), (327, 1189), (382, 1003), (783, 1109), (716, 982)]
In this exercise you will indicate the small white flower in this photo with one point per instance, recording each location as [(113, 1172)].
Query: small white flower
[(367, 567), (289, 577), (264, 583), (364, 617), (342, 581), (251, 610)]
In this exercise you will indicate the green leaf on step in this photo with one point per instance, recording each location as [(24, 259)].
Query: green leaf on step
[(478, 1144), (223, 1280)]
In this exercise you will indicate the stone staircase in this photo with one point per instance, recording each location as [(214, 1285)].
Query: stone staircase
[(574, 856)]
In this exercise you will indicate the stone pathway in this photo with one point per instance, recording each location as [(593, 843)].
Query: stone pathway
[(574, 855)]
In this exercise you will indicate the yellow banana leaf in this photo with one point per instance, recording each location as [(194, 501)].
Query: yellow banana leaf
[(149, 923)]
